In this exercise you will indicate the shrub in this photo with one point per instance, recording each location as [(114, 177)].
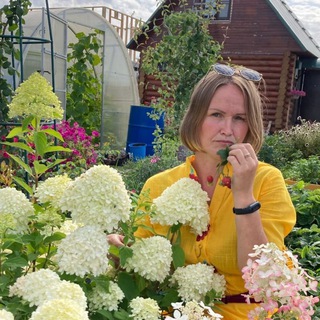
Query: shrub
[(135, 173), (306, 203), (276, 151), (304, 137), (307, 170)]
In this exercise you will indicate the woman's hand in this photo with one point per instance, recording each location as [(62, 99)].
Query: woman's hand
[(244, 163), (115, 239)]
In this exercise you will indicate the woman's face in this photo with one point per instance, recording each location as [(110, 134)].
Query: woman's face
[(226, 120)]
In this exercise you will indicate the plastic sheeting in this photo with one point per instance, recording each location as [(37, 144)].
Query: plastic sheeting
[(120, 88)]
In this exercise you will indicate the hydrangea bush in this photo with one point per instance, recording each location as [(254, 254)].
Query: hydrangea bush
[(275, 279), (76, 274)]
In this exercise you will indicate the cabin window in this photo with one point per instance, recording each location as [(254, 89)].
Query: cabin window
[(219, 9)]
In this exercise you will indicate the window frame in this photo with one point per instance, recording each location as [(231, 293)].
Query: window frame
[(199, 5)]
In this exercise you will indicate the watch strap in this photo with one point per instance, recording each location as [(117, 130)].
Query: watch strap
[(253, 207)]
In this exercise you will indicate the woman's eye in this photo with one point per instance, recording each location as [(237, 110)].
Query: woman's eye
[(216, 114), (240, 118)]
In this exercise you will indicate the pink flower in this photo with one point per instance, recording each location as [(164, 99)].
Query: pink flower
[(295, 92), (276, 279), (154, 159)]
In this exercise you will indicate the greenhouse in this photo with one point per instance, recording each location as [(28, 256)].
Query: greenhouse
[(45, 48)]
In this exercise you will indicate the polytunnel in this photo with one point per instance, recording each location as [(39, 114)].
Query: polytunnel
[(119, 83)]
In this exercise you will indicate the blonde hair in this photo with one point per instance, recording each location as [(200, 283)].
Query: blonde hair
[(200, 101)]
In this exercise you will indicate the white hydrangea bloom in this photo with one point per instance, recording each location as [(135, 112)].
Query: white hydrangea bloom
[(70, 291), (83, 251), (151, 258), (68, 226), (52, 189), (60, 309), (144, 309), (35, 96), (101, 299), (35, 287), (98, 197), (13, 202), (183, 202), (6, 315), (195, 280)]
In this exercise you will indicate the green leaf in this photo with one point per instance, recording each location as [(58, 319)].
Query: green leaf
[(16, 131), (23, 184), (41, 143), (26, 122), (178, 256), (56, 162), (57, 236), (4, 281), (56, 149), (125, 253), (121, 315), (15, 262), (224, 153), (53, 133), (170, 296), (106, 314), (21, 163), (19, 145), (127, 285), (39, 168)]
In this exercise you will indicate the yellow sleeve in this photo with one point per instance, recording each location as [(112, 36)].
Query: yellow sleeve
[(277, 212)]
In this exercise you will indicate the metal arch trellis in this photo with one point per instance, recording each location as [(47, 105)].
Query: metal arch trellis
[(22, 40)]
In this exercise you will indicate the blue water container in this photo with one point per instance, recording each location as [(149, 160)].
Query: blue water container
[(141, 127), (138, 150)]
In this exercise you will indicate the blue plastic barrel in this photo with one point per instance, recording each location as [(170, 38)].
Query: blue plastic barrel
[(141, 127), (138, 150)]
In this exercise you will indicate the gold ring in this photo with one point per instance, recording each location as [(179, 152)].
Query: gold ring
[(247, 155)]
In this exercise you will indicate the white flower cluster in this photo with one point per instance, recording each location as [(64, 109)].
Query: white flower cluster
[(68, 226), (52, 189), (196, 280), (105, 299), (62, 309), (193, 310), (183, 202), (98, 197), (40, 287), (144, 309), (15, 204), (29, 100), (84, 251), (6, 315), (276, 279), (151, 258)]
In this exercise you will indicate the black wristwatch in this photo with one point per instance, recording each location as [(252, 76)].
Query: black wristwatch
[(253, 207)]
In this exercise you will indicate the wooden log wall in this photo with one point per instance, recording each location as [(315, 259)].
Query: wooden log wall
[(278, 73)]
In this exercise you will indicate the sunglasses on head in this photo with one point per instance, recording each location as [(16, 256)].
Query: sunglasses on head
[(229, 71)]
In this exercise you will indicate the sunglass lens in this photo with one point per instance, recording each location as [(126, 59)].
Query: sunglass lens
[(224, 70), (250, 75)]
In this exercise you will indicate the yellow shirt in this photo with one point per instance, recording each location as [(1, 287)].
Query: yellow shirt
[(219, 247)]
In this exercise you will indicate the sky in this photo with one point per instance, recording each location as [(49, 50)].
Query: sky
[(307, 11)]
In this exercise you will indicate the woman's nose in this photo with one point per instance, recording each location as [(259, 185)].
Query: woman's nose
[(226, 127)]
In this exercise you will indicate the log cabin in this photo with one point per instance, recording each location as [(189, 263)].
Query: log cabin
[(264, 35)]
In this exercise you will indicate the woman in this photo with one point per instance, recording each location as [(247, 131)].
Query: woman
[(225, 112)]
